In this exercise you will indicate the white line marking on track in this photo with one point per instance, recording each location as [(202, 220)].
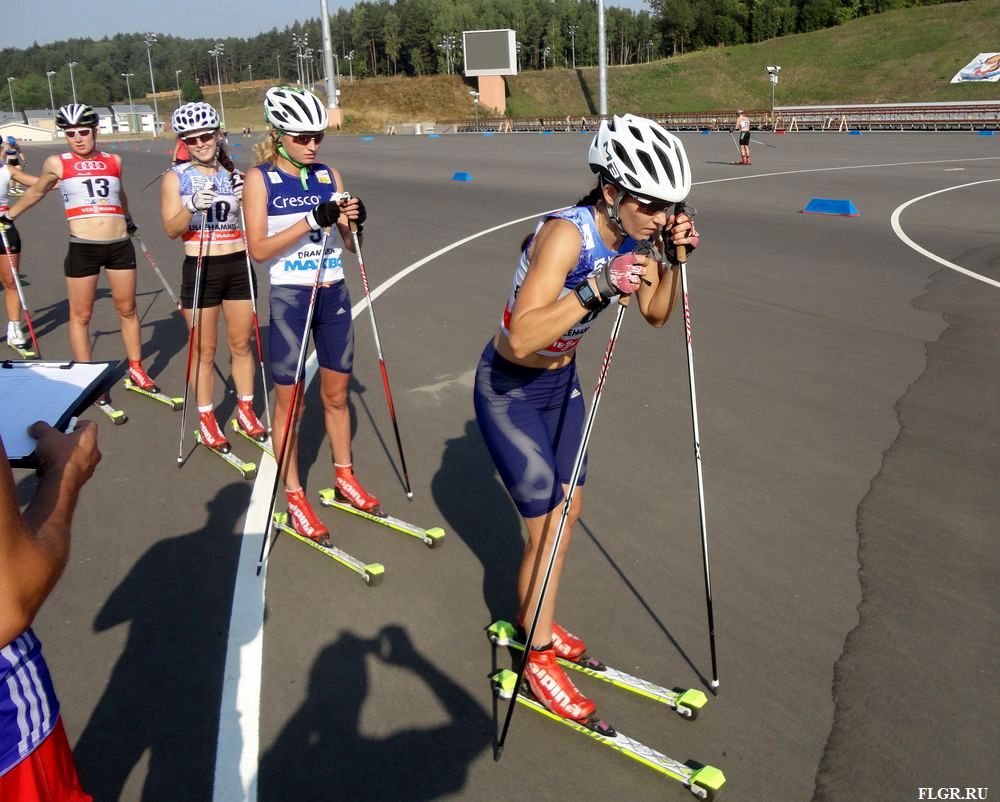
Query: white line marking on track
[(900, 233), (238, 747)]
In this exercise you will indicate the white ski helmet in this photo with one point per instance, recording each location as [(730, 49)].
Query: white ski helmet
[(196, 116), (642, 158), (294, 111), (76, 114)]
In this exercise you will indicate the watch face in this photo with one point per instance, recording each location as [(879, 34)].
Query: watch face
[(587, 296)]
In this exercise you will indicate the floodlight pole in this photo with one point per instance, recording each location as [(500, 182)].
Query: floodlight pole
[(150, 40), (330, 74), (48, 77), (602, 60)]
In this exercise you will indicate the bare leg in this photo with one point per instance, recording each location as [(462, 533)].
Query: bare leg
[(282, 404), (11, 301), (541, 534), (336, 415), (206, 337), (80, 292), (239, 333), (123, 294)]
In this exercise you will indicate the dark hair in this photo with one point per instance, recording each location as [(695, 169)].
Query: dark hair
[(224, 160), (593, 197)]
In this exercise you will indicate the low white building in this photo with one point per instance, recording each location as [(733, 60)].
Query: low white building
[(105, 120), (23, 132), (137, 118)]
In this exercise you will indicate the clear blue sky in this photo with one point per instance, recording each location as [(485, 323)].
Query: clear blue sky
[(55, 20)]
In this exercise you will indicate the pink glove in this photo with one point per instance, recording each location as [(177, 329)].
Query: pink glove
[(620, 276)]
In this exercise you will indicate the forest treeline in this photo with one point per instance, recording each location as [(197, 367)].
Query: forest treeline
[(412, 37)]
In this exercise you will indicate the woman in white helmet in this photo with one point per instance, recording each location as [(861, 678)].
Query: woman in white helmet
[(291, 201), (204, 194), (527, 395)]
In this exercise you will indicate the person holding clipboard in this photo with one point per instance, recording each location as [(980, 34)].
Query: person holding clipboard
[(36, 762)]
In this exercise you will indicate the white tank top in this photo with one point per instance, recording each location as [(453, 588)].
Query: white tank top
[(4, 189), (223, 219)]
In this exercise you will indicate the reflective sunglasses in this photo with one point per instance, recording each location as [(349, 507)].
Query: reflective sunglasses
[(77, 133), (305, 139), (198, 139), (654, 208)]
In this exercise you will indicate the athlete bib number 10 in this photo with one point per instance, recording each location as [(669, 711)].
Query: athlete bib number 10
[(218, 212)]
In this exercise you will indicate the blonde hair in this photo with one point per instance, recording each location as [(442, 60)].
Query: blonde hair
[(266, 151)]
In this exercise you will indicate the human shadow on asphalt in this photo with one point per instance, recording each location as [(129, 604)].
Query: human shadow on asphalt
[(165, 691), (322, 754), (479, 511)]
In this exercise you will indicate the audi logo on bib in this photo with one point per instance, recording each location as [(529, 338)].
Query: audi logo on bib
[(94, 165)]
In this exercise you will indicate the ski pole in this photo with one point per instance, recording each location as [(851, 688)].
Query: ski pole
[(736, 144), (577, 467), (682, 261), (290, 419), (256, 325), (194, 318), (381, 359), (159, 273), (156, 179), (19, 288)]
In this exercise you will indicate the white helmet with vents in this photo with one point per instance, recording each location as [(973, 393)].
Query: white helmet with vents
[(196, 116), (642, 158), (294, 111)]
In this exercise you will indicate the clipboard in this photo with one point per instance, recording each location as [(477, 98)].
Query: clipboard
[(53, 392)]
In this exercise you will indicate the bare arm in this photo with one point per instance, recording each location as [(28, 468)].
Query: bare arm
[(121, 178), (34, 546), (51, 173), (176, 218), (19, 175)]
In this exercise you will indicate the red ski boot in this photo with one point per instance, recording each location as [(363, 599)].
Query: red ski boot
[(349, 489), (551, 686), (249, 422), (208, 428), (137, 375), (565, 644), (304, 519)]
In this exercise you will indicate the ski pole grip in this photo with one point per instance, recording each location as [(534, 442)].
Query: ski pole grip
[(681, 249)]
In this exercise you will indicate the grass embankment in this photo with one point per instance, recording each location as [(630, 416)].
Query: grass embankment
[(908, 55)]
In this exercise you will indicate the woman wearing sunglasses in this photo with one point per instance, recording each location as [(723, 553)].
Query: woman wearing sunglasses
[(99, 226), (292, 211), (527, 395), (200, 203)]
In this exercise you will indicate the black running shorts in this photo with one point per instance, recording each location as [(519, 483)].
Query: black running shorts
[(85, 259), (223, 278), (13, 239)]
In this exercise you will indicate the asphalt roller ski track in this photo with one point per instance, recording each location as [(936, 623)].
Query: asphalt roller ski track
[(847, 385)]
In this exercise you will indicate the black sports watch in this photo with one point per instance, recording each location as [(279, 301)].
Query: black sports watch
[(587, 297)]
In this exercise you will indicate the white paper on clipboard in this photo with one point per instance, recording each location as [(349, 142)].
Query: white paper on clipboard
[(48, 391)]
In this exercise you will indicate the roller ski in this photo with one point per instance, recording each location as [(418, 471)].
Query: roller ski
[(138, 382), (18, 342), (302, 523), (248, 425), (702, 781), (208, 435), (116, 416), (332, 497), (687, 703)]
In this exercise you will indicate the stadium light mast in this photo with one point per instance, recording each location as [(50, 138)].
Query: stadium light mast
[(602, 60)]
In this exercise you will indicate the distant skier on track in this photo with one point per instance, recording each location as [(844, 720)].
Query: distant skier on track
[(100, 227), (290, 201), (192, 191), (743, 126), (527, 394)]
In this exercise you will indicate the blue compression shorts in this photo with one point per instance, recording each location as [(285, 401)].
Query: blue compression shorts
[(332, 331), (532, 422)]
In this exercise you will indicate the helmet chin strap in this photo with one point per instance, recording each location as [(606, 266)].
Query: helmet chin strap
[(614, 207), (303, 169)]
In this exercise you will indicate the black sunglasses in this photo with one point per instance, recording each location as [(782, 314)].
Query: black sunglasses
[(198, 139), (305, 139)]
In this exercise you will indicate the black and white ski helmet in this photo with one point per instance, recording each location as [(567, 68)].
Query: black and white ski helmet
[(76, 114), (294, 111), (196, 116), (642, 158)]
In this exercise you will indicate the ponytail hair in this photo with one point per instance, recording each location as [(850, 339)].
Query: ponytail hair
[(224, 161), (266, 150), (595, 196)]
